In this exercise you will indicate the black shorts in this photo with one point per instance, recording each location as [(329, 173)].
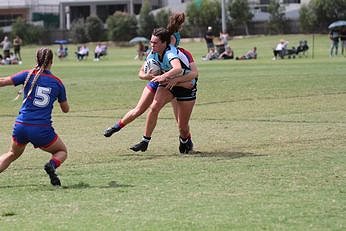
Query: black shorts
[(184, 94)]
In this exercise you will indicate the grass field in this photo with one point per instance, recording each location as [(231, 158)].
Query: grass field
[(269, 139)]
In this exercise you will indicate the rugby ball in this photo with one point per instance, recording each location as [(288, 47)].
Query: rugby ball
[(153, 66)]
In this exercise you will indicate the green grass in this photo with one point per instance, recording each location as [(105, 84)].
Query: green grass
[(269, 135)]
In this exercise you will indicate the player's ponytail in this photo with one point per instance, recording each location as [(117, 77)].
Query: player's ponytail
[(175, 22), (44, 57)]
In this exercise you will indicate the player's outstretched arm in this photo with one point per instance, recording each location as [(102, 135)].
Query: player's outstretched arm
[(6, 81)]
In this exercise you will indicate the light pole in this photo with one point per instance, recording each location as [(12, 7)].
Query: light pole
[(223, 16), (224, 4)]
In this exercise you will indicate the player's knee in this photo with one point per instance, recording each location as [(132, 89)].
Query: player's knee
[(155, 108), (12, 156)]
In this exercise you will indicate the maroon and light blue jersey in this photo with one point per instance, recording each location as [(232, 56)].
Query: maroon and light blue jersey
[(38, 106)]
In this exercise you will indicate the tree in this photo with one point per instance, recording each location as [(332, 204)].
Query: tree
[(78, 32), (277, 22), (2, 33), (146, 21), (162, 18), (322, 12), (203, 13), (94, 29), (29, 33), (240, 14), (121, 26), (307, 19)]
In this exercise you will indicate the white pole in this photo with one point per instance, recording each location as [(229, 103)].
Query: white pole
[(223, 16), (68, 23)]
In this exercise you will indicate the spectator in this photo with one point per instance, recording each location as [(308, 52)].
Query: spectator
[(9, 60), (209, 38), (62, 51), (343, 40), (211, 55), (17, 42), (280, 49), (227, 54), (100, 50), (334, 38), (251, 54), (13, 58), (302, 48), (82, 52), (2, 61), (224, 38), (6, 46)]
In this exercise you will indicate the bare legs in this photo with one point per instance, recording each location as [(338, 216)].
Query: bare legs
[(14, 153), (162, 97), (144, 102), (57, 149), (142, 105), (182, 111)]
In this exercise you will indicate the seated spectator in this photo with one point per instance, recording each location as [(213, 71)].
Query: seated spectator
[(211, 55), (6, 47), (13, 58), (280, 49), (62, 51), (227, 54), (251, 54), (9, 60), (2, 62), (100, 50), (82, 52), (303, 47)]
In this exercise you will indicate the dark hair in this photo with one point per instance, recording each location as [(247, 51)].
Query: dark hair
[(175, 21), (163, 34)]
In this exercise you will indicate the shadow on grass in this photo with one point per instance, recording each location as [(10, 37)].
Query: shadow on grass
[(19, 186), (80, 185), (224, 154), (217, 154), (83, 185)]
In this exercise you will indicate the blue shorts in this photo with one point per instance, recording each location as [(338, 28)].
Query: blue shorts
[(152, 86), (40, 135)]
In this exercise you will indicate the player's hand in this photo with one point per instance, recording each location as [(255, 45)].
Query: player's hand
[(170, 83), (160, 79)]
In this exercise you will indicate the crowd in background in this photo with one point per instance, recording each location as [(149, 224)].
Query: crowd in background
[(336, 37), (215, 51), (222, 49), (9, 56)]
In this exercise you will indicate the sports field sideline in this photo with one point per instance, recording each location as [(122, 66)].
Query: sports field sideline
[(270, 151)]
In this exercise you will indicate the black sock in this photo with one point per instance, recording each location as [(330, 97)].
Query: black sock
[(146, 138)]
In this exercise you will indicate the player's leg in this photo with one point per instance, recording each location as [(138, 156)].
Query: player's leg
[(184, 113), (175, 108), (59, 154), (162, 97), (18, 144), (186, 99), (45, 138), (16, 150), (144, 102)]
